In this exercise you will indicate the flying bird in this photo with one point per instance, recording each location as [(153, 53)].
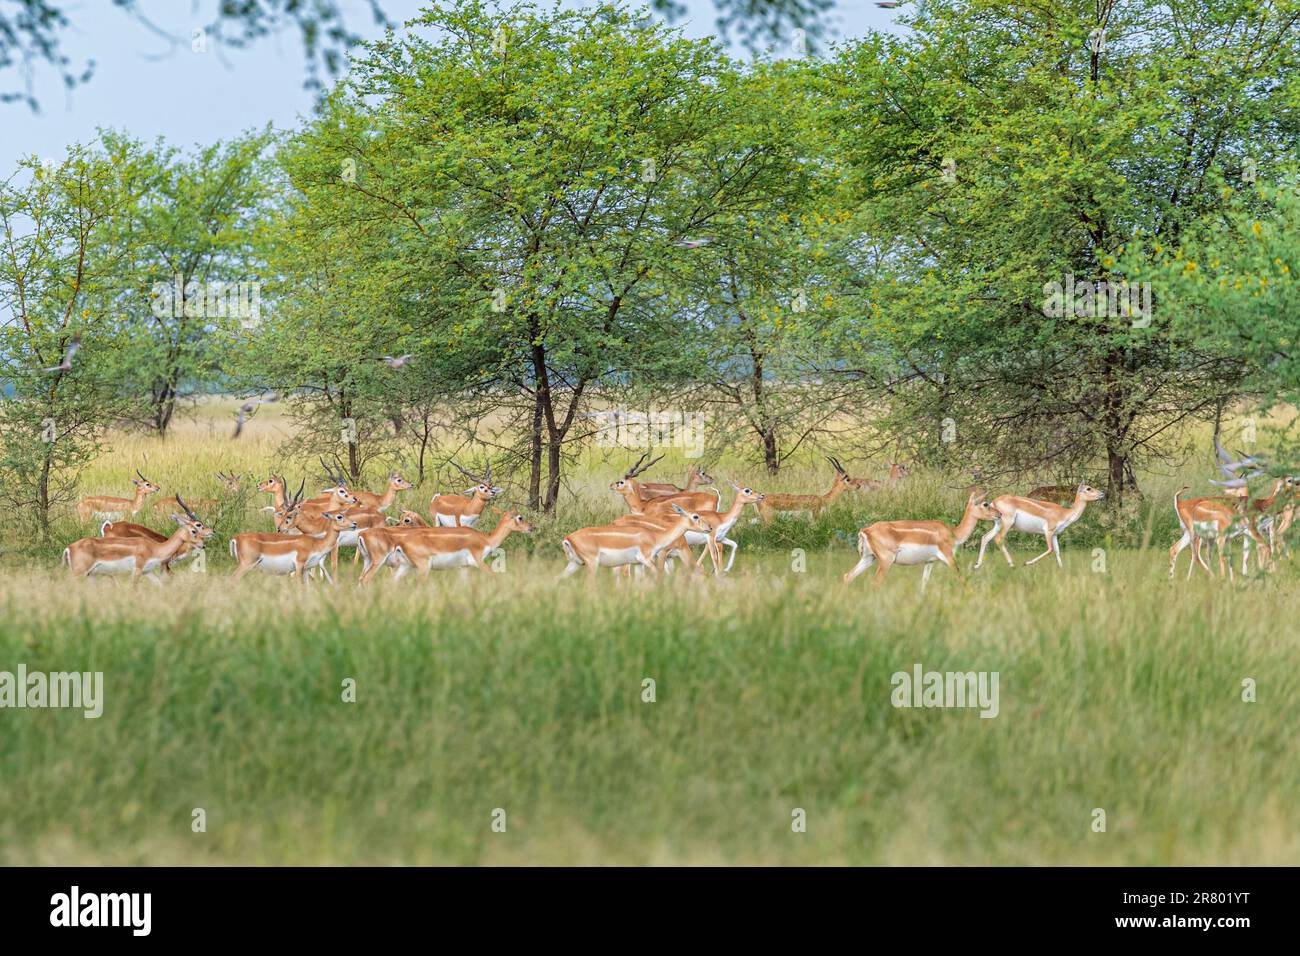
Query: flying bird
[(247, 408), (398, 362), (66, 364), (692, 243), (887, 4)]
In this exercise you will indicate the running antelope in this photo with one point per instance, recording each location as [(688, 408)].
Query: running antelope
[(462, 511), (126, 529), (288, 554), (775, 504), (437, 549), (374, 545), (135, 555), (1036, 517), (1216, 519), (720, 523), (613, 546), (106, 506), (887, 543)]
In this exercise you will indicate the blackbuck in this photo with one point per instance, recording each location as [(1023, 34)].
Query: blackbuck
[(897, 472), (1056, 494), (1036, 517), (696, 477), (337, 497), (638, 501), (293, 554), (383, 501), (230, 485), (775, 504), (135, 555), (719, 523), (126, 529), (887, 543), (613, 546), (1216, 519), (107, 506), (462, 511), (439, 549), (375, 545)]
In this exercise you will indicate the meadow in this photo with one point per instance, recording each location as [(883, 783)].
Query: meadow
[(1120, 690)]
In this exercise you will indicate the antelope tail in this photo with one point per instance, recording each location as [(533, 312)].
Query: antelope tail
[(570, 553), (67, 557), (862, 543), (1177, 514), (234, 552)]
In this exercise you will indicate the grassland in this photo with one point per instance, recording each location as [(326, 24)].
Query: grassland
[(1119, 690)]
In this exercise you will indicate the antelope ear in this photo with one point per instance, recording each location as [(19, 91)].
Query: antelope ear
[(177, 518), (266, 508), (678, 509)]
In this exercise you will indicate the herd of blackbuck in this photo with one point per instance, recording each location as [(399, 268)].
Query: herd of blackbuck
[(664, 523)]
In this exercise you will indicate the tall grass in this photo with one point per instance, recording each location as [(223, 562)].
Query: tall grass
[(1120, 691)]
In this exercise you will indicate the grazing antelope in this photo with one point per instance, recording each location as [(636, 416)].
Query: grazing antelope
[(613, 546), (437, 549), (1036, 517), (897, 472), (135, 555), (462, 511), (288, 554), (639, 502), (696, 477), (887, 543), (106, 506), (382, 502), (775, 504)]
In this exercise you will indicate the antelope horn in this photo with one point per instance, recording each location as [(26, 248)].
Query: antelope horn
[(639, 468), (487, 475), (632, 472), (297, 497), (193, 516), (142, 477), (474, 478)]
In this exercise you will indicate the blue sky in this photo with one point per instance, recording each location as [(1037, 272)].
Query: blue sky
[(148, 88)]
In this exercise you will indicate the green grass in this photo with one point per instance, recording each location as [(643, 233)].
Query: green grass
[(1120, 690)]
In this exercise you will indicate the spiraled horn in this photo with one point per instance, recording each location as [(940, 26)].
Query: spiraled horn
[(193, 516)]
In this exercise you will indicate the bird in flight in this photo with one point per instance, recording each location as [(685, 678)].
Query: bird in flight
[(692, 243), (66, 364), (398, 362), (887, 4), (247, 408)]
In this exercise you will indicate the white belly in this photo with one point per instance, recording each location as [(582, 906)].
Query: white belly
[(1029, 523), (916, 554), (617, 557), (453, 559), (116, 566), (348, 539), (110, 515), (276, 564), (441, 520)]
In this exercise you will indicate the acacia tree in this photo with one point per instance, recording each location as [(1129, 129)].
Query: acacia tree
[(1001, 149), (54, 294), (531, 178)]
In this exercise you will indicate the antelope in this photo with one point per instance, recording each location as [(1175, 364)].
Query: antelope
[(1218, 520), (719, 524), (135, 555), (897, 472), (775, 504), (1036, 517), (428, 549), (229, 484), (613, 546), (125, 529), (1056, 494), (374, 545), (288, 554), (461, 511), (696, 477), (887, 543), (106, 506), (274, 486), (382, 502), (334, 498), (638, 501)]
